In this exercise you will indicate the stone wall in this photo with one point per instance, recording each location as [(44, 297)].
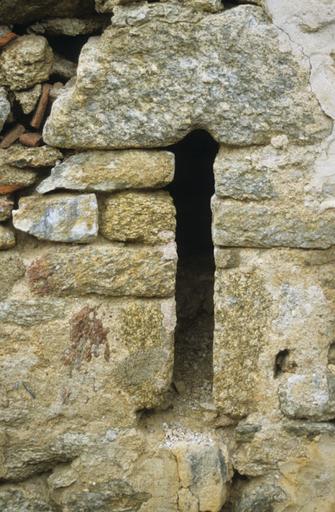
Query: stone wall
[(98, 411)]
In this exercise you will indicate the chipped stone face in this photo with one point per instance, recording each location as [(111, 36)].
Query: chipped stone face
[(274, 311), (4, 107), (6, 206), (12, 178), (21, 156), (250, 72), (69, 26), (25, 62), (106, 171), (59, 218), (139, 217), (105, 269), (28, 99), (7, 238)]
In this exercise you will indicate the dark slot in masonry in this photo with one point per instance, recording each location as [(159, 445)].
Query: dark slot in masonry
[(192, 189)]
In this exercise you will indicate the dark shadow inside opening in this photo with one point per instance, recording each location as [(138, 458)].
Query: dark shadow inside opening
[(192, 189)]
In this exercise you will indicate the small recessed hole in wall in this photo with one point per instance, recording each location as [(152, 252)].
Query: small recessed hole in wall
[(283, 363), (331, 353)]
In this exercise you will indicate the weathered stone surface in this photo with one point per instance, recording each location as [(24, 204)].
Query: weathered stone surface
[(7, 237), (21, 156), (252, 225), (142, 217), (6, 206), (273, 318), (251, 70), (25, 62), (59, 218), (28, 99), (11, 270), (14, 500), (70, 26), (25, 11), (4, 107), (203, 474), (12, 179), (107, 270), (106, 171), (204, 5), (308, 397), (63, 68)]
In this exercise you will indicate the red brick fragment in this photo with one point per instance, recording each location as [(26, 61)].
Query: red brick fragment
[(12, 136), (41, 107), (7, 38), (31, 139)]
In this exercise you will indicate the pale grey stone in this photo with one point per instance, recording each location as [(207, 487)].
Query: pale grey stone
[(25, 62), (308, 397), (253, 75), (112, 269), (31, 312), (106, 171), (28, 99), (4, 107), (59, 218), (240, 224)]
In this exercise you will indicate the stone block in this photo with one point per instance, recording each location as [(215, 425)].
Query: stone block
[(108, 269), (22, 157), (25, 62), (26, 11), (58, 217), (273, 319), (4, 107), (253, 66), (106, 171), (7, 237), (140, 217), (240, 224)]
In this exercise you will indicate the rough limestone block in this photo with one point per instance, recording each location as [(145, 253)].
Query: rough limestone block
[(4, 107), (7, 238), (107, 269), (106, 171), (6, 206), (59, 217), (261, 225), (12, 178), (254, 75), (21, 156), (142, 217), (25, 62), (309, 397), (203, 472), (83, 361), (273, 318)]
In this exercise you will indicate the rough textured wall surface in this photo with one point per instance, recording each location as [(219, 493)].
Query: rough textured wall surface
[(96, 410)]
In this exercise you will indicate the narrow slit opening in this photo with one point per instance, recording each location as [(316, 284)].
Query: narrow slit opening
[(192, 189)]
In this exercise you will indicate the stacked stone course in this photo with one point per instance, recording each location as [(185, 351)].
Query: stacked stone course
[(90, 417)]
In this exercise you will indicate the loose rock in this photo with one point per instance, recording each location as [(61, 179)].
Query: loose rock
[(20, 156), (70, 26), (6, 206), (26, 62), (28, 99)]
